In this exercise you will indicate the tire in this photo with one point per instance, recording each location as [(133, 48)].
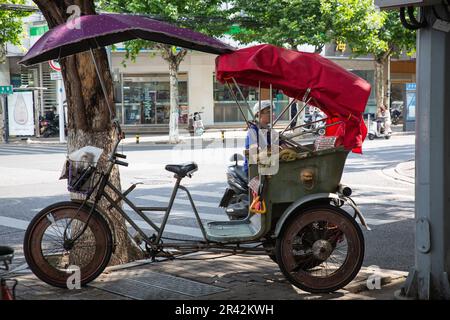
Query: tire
[(331, 227), (387, 137), (371, 136), (48, 228)]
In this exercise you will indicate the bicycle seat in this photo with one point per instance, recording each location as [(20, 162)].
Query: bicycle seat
[(182, 170)]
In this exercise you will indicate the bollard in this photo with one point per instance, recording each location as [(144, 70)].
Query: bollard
[(137, 139), (223, 135)]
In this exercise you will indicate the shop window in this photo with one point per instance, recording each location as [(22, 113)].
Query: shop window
[(146, 99)]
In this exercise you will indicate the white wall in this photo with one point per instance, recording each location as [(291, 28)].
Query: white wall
[(199, 67)]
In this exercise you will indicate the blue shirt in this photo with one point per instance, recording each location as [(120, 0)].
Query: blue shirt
[(252, 133)]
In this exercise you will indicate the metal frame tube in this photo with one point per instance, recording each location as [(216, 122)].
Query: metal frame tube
[(199, 221), (239, 106), (102, 84), (169, 208), (240, 91), (284, 111), (292, 120)]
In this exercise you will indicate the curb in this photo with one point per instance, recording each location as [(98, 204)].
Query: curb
[(396, 172)]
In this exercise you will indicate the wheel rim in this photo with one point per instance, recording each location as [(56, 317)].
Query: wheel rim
[(321, 250), (53, 261)]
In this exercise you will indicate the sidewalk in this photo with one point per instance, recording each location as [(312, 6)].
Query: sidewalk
[(209, 135), (229, 278)]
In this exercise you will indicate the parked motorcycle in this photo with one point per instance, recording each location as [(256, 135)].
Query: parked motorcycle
[(395, 116), (48, 128), (235, 199)]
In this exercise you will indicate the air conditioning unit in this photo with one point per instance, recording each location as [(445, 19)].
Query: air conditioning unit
[(405, 3)]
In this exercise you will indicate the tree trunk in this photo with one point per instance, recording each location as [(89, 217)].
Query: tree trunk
[(381, 82), (174, 103), (381, 85), (2, 53), (174, 59), (89, 120)]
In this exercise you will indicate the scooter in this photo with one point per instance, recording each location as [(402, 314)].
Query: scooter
[(235, 199), (379, 128), (196, 124), (7, 286), (313, 123)]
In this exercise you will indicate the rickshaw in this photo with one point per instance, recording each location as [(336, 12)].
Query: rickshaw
[(296, 216)]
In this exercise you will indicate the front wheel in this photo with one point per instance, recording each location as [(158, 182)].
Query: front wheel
[(320, 249), (51, 251), (371, 136)]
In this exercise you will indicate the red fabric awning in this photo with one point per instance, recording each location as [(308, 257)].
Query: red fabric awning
[(339, 93)]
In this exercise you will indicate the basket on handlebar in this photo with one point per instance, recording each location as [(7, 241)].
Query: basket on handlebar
[(80, 169), (81, 176)]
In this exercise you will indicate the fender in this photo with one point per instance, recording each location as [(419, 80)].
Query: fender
[(313, 198)]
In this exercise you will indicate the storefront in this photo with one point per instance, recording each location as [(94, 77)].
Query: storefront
[(144, 99)]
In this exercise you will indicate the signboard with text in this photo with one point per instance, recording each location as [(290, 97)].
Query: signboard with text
[(6, 90)]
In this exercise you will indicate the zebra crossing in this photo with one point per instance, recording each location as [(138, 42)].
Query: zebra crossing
[(182, 221), (20, 149)]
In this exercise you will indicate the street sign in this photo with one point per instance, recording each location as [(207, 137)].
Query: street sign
[(55, 76), (54, 65), (6, 89)]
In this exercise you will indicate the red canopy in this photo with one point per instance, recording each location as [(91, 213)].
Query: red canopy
[(339, 93)]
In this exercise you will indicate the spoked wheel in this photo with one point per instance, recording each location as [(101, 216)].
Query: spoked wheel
[(53, 255), (321, 249)]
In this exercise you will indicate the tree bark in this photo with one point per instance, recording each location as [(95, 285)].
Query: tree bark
[(174, 59), (89, 120)]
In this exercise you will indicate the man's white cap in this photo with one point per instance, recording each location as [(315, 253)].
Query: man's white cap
[(264, 104)]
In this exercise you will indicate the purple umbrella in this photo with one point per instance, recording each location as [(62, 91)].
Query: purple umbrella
[(105, 29)]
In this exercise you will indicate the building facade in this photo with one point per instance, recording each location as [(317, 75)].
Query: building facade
[(142, 87)]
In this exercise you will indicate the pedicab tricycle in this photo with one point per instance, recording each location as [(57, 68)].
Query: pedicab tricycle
[(296, 215)]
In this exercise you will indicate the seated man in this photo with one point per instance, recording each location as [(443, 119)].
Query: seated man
[(251, 141)]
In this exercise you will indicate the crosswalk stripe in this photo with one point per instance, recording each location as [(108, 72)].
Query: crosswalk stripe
[(189, 231), (13, 223), (371, 187), (12, 151), (377, 222), (175, 229), (187, 214), (180, 201), (211, 194)]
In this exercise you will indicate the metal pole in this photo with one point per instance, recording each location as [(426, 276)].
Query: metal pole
[(284, 111), (239, 106), (240, 91), (428, 279), (59, 94), (5, 119), (100, 78)]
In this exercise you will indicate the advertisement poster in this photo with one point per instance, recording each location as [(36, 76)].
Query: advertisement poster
[(20, 114)]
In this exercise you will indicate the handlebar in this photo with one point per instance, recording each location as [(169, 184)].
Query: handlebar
[(121, 163), (114, 154)]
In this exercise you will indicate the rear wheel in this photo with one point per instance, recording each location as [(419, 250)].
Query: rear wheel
[(320, 249), (371, 136), (53, 255)]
